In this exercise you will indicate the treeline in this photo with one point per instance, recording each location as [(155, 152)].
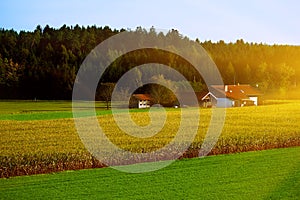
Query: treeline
[(272, 67), (43, 63)]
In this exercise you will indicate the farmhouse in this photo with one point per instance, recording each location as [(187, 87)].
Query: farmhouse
[(140, 101), (231, 96)]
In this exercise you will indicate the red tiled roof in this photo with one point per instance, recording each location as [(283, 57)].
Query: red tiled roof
[(142, 96), (236, 94), (246, 89), (236, 91)]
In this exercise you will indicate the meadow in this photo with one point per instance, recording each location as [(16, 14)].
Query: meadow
[(40, 137), (267, 174)]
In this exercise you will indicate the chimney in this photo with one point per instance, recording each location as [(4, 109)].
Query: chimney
[(226, 88)]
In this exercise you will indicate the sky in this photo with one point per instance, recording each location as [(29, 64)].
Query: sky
[(259, 21)]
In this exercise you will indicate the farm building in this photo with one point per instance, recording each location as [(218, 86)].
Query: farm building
[(140, 101), (231, 96), (217, 96), (188, 98)]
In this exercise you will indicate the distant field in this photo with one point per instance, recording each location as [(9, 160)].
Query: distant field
[(19, 106), (38, 110), (44, 110), (40, 137), (270, 174)]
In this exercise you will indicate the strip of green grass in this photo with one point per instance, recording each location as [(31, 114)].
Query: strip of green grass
[(48, 115), (271, 174), (20, 106), (47, 110)]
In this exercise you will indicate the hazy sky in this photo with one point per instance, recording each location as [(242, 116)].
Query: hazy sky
[(266, 21)]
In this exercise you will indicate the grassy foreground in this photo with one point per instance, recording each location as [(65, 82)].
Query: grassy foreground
[(269, 174)]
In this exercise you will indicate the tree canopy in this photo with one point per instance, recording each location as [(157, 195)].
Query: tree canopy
[(43, 63)]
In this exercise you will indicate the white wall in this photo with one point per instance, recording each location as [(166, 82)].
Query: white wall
[(143, 104), (255, 99)]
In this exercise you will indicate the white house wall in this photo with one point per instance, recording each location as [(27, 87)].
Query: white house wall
[(143, 104), (254, 99)]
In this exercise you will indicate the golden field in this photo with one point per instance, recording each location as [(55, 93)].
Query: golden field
[(41, 146)]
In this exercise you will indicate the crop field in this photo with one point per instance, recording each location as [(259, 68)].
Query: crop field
[(40, 137)]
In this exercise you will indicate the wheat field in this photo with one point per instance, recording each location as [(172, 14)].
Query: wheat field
[(42, 146)]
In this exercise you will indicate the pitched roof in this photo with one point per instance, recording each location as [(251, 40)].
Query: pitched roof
[(189, 95), (142, 96), (217, 91), (241, 92), (245, 89)]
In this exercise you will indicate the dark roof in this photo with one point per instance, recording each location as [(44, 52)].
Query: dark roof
[(142, 96), (188, 95), (217, 91)]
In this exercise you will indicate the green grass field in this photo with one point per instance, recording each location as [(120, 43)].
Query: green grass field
[(44, 110), (40, 110), (269, 174)]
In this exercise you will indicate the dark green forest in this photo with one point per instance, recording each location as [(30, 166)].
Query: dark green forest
[(42, 64)]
